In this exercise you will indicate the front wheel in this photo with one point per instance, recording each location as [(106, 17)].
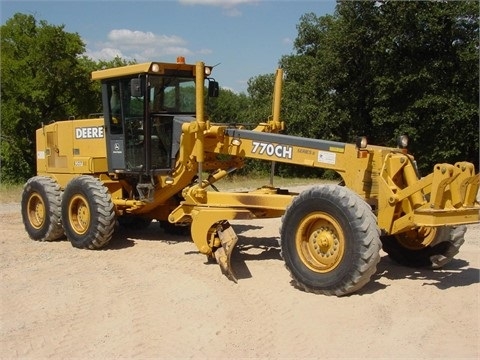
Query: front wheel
[(87, 213), (330, 241), (431, 247)]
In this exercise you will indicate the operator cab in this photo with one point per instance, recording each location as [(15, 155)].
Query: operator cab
[(140, 119), (139, 110)]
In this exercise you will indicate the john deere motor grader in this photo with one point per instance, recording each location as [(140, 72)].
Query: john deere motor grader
[(154, 155)]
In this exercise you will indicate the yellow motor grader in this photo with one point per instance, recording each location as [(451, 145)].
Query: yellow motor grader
[(155, 155)]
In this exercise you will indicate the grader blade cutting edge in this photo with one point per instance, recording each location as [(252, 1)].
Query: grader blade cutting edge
[(228, 239)]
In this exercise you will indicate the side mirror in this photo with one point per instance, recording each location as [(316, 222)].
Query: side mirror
[(213, 89), (136, 88)]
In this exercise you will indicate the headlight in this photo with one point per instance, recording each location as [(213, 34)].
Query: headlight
[(208, 70), (155, 68), (402, 141), (361, 142)]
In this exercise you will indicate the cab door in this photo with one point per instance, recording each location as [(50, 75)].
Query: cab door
[(125, 121)]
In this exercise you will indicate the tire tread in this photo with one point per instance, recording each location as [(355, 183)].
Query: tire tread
[(367, 254), (103, 209), (53, 205)]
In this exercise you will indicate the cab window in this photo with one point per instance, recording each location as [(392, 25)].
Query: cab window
[(171, 94)]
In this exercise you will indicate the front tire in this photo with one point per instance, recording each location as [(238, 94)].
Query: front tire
[(330, 241), (41, 209), (88, 214), (426, 247)]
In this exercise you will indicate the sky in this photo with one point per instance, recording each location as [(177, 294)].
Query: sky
[(246, 38)]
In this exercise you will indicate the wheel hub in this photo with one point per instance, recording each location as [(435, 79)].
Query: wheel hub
[(79, 214), (320, 242), (82, 216), (36, 211), (324, 242)]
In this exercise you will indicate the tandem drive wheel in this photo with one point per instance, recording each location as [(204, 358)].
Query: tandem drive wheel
[(430, 247), (41, 209), (88, 215), (330, 241)]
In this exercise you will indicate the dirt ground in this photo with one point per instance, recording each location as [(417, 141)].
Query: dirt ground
[(151, 295)]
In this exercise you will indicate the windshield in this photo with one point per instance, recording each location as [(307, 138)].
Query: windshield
[(171, 94)]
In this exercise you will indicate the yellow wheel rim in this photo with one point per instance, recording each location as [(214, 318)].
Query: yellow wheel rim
[(36, 210), (320, 242), (79, 214), (417, 239)]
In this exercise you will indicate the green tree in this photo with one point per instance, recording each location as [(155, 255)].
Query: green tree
[(42, 79), (385, 68), (426, 81), (312, 101), (228, 107), (260, 91), (260, 101)]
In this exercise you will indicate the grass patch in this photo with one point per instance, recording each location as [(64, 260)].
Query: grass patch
[(10, 193)]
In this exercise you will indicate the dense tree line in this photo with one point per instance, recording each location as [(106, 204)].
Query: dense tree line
[(372, 68), (387, 68), (44, 77)]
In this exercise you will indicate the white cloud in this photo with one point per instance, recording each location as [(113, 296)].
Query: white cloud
[(141, 46), (125, 38), (104, 53)]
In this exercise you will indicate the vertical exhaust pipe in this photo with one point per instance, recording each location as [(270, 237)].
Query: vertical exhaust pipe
[(200, 117), (276, 122), (277, 100)]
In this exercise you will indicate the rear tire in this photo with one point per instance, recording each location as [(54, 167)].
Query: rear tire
[(330, 241), (88, 214), (41, 209), (425, 247)]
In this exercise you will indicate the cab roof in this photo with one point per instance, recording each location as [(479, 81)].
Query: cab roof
[(157, 68)]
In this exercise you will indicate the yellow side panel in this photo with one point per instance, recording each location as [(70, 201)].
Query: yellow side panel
[(72, 147)]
